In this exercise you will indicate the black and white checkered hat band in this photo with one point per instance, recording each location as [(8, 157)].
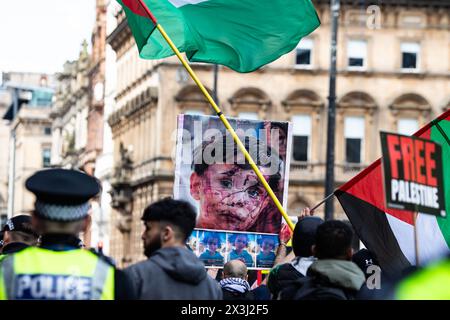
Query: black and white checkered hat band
[(62, 212)]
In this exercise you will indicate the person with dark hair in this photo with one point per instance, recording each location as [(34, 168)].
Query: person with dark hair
[(284, 275), (18, 234), (240, 242), (229, 193), (210, 256), (172, 271), (333, 276)]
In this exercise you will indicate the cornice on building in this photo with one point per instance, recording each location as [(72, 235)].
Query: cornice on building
[(119, 36), (133, 84), (321, 71), (148, 97)]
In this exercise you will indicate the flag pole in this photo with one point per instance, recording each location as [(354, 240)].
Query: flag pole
[(322, 202), (221, 116), (331, 130), (442, 132), (416, 239)]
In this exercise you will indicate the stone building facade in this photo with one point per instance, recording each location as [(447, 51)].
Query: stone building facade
[(5, 101), (30, 141), (393, 75), (78, 116), (70, 111)]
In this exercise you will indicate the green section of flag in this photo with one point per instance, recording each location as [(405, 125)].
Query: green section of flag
[(444, 223), (240, 34)]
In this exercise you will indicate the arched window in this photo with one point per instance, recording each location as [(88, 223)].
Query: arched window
[(409, 112), (190, 100), (250, 103)]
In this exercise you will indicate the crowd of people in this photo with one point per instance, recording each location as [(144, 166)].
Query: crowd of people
[(43, 258)]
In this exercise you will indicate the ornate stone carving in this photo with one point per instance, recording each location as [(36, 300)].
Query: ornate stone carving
[(121, 190)]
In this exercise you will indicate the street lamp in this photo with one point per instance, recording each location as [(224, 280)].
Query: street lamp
[(329, 178), (12, 156)]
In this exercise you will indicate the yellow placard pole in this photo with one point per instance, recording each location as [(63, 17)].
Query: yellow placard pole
[(228, 126)]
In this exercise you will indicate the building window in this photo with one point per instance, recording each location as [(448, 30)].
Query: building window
[(47, 131), (248, 115), (357, 54), (354, 139), (410, 55), (301, 137), (46, 156), (407, 126), (304, 53), (194, 112)]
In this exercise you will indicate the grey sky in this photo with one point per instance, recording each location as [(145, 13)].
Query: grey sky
[(40, 35)]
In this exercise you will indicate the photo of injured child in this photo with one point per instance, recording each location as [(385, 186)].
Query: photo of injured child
[(212, 245), (240, 244), (267, 245), (220, 182)]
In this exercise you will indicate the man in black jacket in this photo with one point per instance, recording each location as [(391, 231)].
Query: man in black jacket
[(333, 276), (172, 272), (283, 275), (234, 283)]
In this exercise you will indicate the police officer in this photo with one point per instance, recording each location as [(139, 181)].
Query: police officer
[(18, 234), (1, 240), (59, 269), (429, 283)]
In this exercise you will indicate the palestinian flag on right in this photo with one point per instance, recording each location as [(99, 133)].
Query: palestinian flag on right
[(389, 233)]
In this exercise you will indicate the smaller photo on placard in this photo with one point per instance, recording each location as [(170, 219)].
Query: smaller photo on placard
[(212, 247), (242, 246), (266, 247)]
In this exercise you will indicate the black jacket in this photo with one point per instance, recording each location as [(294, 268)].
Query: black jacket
[(330, 280), (237, 296), (14, 247), (282, 278)]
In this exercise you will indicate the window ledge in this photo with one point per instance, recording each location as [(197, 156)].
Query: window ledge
[(411, 73), (362, 71), (303, 66), (300, 69)]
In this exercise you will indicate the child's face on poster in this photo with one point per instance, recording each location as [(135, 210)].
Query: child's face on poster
[(267, 246), (240, 243), (212, 244), (230, 198)]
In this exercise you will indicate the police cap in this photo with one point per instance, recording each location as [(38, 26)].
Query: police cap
[(62, 194), (20, 223)]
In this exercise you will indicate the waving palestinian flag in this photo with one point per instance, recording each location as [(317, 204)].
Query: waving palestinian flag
[(389, 233), (240, 34)]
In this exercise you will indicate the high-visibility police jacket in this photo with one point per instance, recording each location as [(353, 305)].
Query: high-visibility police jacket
[(431, 283), (38, 273)]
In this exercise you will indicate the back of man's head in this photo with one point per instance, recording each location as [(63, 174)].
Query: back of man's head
[(304, 236), (177, 213), (333, 241), (235, 269)]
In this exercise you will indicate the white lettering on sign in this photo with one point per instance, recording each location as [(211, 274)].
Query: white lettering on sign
[(410, 192), (53, 287)]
